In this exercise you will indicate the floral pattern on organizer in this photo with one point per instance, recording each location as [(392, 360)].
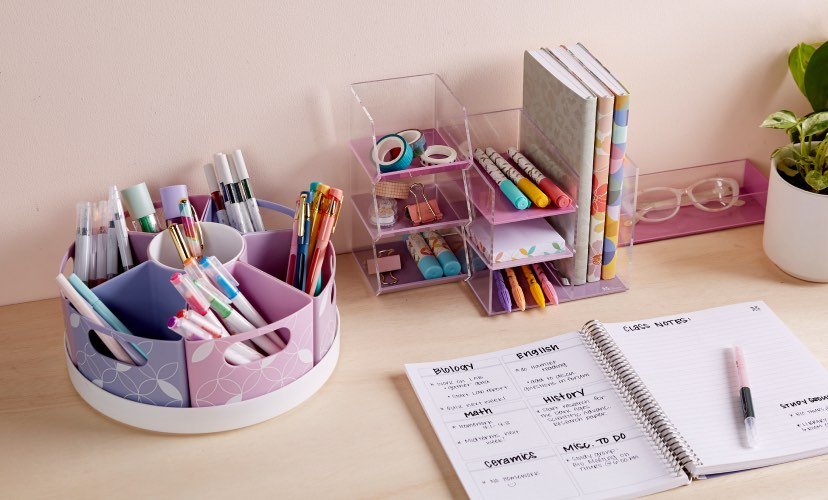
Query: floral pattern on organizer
[(616, 184), (600, 173), (214, 382), (161, 386)]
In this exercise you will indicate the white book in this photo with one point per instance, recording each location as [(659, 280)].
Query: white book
[(626, 409)]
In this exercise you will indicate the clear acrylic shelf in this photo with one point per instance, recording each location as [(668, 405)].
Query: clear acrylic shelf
[(748, 209)]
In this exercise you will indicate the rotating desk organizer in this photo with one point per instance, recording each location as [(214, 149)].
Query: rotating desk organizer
[(186, 386)]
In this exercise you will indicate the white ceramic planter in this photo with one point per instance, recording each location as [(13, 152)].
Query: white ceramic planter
[(796, 235)]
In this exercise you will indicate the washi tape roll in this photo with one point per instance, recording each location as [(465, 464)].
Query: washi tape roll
[(524, 184), (416, 139), (448, 261), (518, 199), (393, 189), (428, 265), (547, 186), (401, 153), (437, 154)]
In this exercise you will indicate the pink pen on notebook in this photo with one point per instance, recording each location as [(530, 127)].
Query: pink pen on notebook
[(748, 411)]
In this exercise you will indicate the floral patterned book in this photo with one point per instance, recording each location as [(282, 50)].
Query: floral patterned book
[(600, 160)]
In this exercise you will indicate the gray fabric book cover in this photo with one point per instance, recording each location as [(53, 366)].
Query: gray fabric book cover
[(564, 111)]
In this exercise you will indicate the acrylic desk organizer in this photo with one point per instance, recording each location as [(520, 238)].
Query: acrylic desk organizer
[(748, 208), (494, 235), (187, 386), (382, 107)]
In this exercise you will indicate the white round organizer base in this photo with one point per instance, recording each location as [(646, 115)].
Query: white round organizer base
[(208, 419)]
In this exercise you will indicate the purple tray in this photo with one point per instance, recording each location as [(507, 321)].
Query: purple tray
[(690, 220)]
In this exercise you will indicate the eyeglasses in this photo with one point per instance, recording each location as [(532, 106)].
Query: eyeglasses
[(658, 204)]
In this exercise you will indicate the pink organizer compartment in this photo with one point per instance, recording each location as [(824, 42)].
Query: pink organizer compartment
[(268, 251), (139, 241), (749, 209), (143, 300), (214, 382)]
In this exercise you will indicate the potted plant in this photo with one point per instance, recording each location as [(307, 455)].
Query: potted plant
[(796, 236)]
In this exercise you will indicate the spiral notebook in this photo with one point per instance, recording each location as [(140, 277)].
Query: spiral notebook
[(626, 409)]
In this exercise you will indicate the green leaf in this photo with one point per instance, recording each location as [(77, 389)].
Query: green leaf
[(781, 119), (815, 81), (798, 61), (817, 181), (815, 124)]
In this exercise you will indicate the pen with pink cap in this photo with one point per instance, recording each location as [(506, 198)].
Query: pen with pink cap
[(748, 411), (546, 285)]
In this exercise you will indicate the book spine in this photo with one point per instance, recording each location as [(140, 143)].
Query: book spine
[(661, 432), (616, 183), (600, 173)]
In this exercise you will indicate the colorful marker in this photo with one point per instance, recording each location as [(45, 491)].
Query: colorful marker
[(517, 292), (534, 288)]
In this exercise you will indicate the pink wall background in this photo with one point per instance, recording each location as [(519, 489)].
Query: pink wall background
[(95, 93)]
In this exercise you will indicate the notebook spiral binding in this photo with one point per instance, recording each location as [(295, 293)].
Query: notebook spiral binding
[(662, 433)]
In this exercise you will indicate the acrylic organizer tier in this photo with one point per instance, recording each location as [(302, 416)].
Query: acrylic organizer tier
[(421, 102), (195, 374), (389, 266), (496, 237), (699, 199)]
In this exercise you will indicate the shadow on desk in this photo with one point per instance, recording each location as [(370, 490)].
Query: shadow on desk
[(408, 395)]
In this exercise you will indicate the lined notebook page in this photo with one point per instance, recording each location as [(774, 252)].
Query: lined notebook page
[(538, 421), (687, 363)]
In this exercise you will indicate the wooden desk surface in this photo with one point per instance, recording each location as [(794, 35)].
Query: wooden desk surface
[(364, 435)]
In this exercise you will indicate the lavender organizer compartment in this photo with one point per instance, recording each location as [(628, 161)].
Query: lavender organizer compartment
[(143, 300), (748, 209), (409, 275), (261, 255), (214, 382)]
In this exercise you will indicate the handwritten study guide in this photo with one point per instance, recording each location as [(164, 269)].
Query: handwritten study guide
[(625, 409)]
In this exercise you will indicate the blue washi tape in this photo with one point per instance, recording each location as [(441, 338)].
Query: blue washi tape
[(416, 139), (401, 160)]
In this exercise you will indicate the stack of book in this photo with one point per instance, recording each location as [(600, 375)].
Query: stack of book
[(583, 109)]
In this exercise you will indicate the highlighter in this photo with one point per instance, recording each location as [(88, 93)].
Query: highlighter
[(507, 187), (448, 261), (534, 287), (524, 184), (427, 263), (551, 189)]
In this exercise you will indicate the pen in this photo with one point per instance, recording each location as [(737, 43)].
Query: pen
[(748, 411), (103, 311), (215, 194), (83, 252), (239, 194), (120, 227), (228, 285), (338, 196), (534, 288), (329, 207), (517, 292), (302, 243), (111, 243), (235, 322), (291, 266), (502, 291), (101, 241), (139, 204), (236, 354), (247, 191), (86, 310), (318, 190), (191, 229), (185, 286), (547, 186), (546, 285), (231, 201)]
